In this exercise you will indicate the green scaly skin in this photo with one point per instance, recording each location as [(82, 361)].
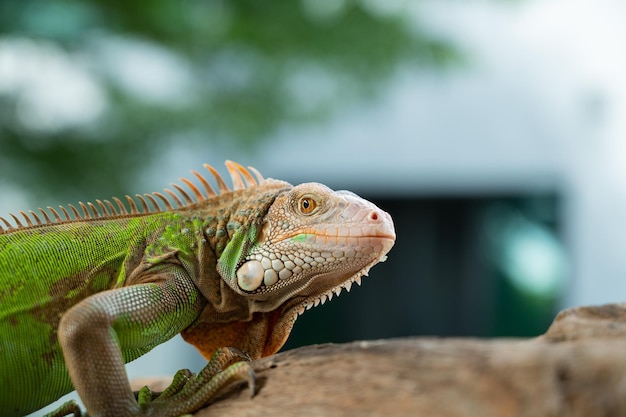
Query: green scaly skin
[(80, 298)]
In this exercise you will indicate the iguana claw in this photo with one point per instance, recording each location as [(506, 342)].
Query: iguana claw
[(188, 392)]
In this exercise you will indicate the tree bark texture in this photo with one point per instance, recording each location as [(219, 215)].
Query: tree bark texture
[(578, 368)]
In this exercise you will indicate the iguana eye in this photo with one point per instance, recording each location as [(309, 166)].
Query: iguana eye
[(307, 205)]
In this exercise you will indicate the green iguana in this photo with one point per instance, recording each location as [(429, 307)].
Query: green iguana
[(83, 293)]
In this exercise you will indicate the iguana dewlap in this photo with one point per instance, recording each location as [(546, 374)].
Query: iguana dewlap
[(83, 293)]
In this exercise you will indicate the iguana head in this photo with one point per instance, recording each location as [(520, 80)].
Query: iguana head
[(312, 243), (308, 244)]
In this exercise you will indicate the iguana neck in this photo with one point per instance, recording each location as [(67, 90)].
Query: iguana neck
[(209, 227)]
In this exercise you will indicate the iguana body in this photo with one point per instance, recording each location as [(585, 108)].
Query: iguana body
[(80, 297)]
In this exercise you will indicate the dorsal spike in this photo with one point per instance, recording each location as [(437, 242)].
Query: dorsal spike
[(194, 189), (249, 179), (241, 177), (168, 205), (221, 185), (122, 209), (103, 208), (86, 214), (16, 220), (131, 203), (75, 211), (94, 210), (257, 174), (25, 216), (182, 192), (35, 216), (65, 213), (45, 215), (57, 218), (175, 197), (112, 208), (144, 204), (157, 208), (8, 226), (234, 175), (209, 190)]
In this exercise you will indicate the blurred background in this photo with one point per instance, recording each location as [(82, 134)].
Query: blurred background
[(493, 131)]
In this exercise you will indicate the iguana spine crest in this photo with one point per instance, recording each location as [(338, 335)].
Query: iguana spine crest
[(241, 177)]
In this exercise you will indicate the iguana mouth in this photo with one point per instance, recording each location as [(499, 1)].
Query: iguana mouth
[(373, 233), (380, 237)]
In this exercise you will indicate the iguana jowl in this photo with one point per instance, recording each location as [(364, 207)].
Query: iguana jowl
[(82, 294)]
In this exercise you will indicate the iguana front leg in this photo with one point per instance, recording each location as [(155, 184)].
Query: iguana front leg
[(192, 391), (104, 331)]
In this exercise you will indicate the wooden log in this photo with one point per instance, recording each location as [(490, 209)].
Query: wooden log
[(577, 369)]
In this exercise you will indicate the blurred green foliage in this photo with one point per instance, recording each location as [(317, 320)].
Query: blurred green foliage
[(154, 72)]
